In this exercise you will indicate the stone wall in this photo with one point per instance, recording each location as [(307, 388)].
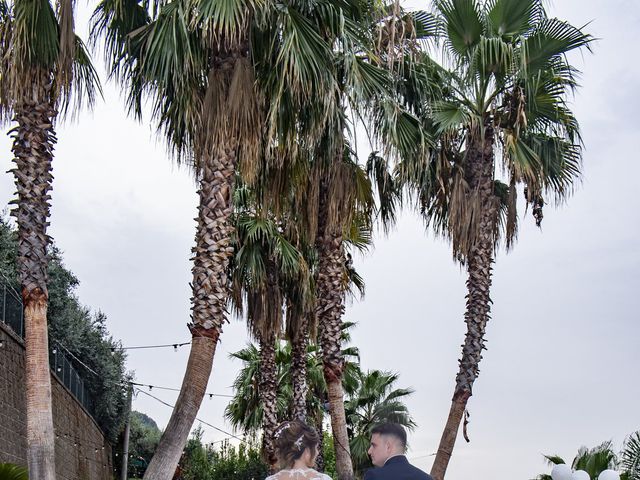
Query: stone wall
[(82, 452)]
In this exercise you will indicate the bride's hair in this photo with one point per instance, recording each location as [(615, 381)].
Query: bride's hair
[(292, 438)]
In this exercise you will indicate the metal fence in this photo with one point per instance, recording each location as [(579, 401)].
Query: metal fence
[(69, 377), (11, 308), (12, 315)]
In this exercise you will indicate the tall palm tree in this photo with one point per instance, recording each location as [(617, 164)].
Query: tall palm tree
[(44, 69), (218, 74), (502, 108), (331, 287), (370, 88), (265, 261), (375, 401)]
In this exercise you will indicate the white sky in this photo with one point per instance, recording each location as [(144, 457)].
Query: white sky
[(561, 365)]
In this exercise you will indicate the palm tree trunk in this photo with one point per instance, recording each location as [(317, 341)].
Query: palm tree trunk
[(210, 292), (479, 261), (320, 430), (299, 369), (40, 434), (329, 311), (267, 387), (33, 142)]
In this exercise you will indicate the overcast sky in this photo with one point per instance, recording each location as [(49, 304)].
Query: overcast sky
[(561, 368)]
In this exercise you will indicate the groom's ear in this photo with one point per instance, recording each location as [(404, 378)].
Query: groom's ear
[(388, 443)]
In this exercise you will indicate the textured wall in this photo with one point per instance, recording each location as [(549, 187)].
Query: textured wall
[(81, 451)]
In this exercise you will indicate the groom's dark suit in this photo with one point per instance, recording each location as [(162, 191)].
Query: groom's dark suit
[(396, 468)]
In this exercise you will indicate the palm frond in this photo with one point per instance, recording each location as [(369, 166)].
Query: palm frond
[(554, 460), (9, 471), (550, 39), (630, 456), (511, 18), (462, 24)]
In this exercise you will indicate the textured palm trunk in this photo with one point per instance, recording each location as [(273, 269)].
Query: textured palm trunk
[(479, 262), (210, 292), (329, 311), (267, 386), (33, 142), (320, 430), (299, 370)]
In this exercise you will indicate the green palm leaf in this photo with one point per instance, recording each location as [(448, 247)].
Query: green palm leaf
[(462, 23), (630, 456), (550, 39), (510, 18), (9, 471)]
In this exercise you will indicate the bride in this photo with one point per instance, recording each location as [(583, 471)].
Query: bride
[(297, 449)]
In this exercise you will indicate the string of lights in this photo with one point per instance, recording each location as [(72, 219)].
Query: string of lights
[(139, 347), (75, 358), (198, 419), (151, 387), (78, 442)]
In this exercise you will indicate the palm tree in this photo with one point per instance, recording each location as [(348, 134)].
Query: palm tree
[(44, 68), (370, 82), (343, 194), (630, 457), (593, 461), (502, 108), (218, 74), (264, 262), (375, 401), (246, 410)]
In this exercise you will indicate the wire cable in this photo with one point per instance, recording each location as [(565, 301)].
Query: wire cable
[(198, 419), (176, 389), (138, 347)]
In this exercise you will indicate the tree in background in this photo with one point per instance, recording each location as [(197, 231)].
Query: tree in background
[(630, 457), (205, 462), (44, 68), (76, 328), (265, 261), (144, 436), (501, 109), (375, 400), (603, 457), (371, 398), (224, 79)]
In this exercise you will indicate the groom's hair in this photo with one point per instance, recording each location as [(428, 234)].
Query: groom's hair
[(394, 430)]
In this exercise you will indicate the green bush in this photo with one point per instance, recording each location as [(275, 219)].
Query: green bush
[(204, 462)]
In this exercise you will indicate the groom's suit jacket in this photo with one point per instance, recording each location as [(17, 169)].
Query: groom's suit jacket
[(396, 468)]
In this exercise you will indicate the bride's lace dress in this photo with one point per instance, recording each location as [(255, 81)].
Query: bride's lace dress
[(299, 474)]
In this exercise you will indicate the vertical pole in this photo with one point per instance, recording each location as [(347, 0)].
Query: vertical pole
[(125, 445)]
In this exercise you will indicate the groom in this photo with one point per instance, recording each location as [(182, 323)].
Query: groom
[(387, 449)]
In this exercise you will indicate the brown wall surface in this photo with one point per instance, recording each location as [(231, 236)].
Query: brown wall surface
[(82, 452)]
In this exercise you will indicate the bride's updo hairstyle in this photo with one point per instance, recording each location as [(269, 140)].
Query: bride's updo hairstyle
[(292, 438)]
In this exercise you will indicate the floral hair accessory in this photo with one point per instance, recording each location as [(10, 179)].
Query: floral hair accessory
[(298, 442), (281, 429)]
